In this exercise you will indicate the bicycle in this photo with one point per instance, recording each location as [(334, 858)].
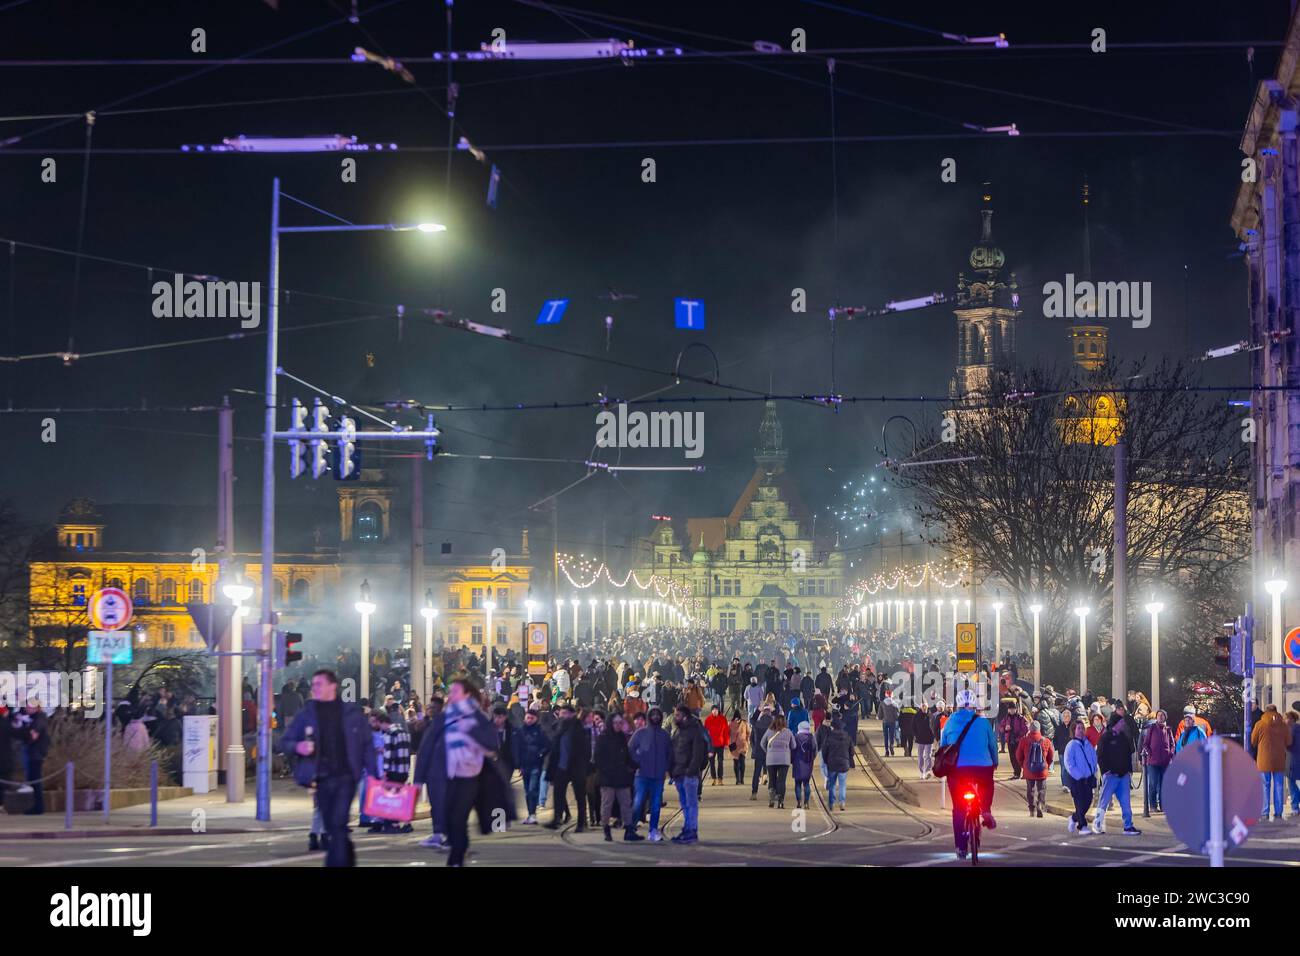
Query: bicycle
[(972, 822)]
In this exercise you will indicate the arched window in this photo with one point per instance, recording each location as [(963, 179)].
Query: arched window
[(369, 525), (114, 583), (140, 591), (196, 591), (167, 593), (300, 592)]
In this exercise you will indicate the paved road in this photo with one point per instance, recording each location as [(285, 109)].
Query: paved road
[(876, 830)]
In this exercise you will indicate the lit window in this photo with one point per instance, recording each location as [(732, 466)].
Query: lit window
[(167, 594), (196, 591)]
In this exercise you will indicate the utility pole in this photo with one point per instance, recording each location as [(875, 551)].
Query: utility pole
[(230, 739), (1119, 589), (417, 579)]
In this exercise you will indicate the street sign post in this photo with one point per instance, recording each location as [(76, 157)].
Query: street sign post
[(538, 647), (1211, 796), (108, 647)]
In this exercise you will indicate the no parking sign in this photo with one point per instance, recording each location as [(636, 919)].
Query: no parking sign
[(1291, 646), (110, 609)]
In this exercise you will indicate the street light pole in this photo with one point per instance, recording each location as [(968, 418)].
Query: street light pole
[(1035, 610), (429, 613), (1154, 609), (997, 632), (488, 608), (1275, 589), (1083, 613), (365, 607), (238, 592)]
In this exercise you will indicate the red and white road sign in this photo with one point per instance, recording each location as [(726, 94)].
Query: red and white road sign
[(1291, 646), (110, 609)]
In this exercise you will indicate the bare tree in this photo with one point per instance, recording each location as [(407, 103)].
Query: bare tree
[(1031, 507)]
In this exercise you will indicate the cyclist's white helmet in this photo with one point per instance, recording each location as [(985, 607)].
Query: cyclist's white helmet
[(966, 698)]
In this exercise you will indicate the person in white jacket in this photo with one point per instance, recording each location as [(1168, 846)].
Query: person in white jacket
[(1080, 776)]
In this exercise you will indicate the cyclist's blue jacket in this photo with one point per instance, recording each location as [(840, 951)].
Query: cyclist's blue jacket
[(980, 748)]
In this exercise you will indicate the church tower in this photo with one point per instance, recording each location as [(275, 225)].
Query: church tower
[(987, 308), (771, 453)]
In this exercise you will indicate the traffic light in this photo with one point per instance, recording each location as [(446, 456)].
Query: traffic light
[(1223, 645), (320, 449), (348, 465), (297, 459), (284, 652)]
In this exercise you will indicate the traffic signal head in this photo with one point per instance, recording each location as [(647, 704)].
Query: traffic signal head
[(1223, 645), (348, 466), (297, 457), (320, 449), (284, 648)]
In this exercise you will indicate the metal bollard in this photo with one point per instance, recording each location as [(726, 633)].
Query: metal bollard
[(153, 793), (67, 796)]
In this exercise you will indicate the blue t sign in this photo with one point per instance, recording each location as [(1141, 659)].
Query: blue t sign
[(552, 311), (689, 313)]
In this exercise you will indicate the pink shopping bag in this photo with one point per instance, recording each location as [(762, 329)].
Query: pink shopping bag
[(390, 801)]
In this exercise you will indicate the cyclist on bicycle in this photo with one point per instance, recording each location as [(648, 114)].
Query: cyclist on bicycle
[(976, 761)]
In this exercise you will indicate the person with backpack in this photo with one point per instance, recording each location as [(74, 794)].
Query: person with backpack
[(1013, 728), (968, 755), (801, 764), (778, 745), (837, 758), (889, 720), (923, 727), (1033, 755), (1189, 733)]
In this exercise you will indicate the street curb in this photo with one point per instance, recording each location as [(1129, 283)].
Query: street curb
[(889, 780), (138, 831)]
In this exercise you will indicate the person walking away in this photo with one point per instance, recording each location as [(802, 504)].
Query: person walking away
[(531, 746), (332, 741), (1271, 741), (977, 758), (837, 757), (689, 757), (923, 731), (719, 738), (651, 752), (758, 749), (1115, 760), (778, 743), (754, 694), (801, 764), (614, 767), (1033, 756), (1157, 754), (798, 715), (739, 746), (1014, 727), (906, 727), (34, 732), (889, 720), (1080, 764)]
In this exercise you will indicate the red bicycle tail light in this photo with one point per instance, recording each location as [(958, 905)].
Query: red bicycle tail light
[(968, 795)]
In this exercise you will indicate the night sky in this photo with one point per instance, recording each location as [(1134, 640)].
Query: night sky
[(736, 225)]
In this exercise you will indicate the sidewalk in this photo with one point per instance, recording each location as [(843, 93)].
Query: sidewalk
[(197, 814)]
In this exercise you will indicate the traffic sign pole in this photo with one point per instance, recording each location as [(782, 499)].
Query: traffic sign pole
[(1214, 750), (108, 739)]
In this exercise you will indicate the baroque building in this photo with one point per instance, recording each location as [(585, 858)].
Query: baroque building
[(764, 566), (987, 308)]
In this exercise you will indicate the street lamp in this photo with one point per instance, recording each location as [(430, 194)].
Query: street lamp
[(488, 608), (910, 602), (1154, 609), (622, 616), (997, 632), (574, 602), (559, 622), (268, 472), (1083, 611), (609, 616), (1275, 587), (954, 619), (591, 602), (430, 614), (1035, 610), (365, 607), (938, 620), (238, 592)]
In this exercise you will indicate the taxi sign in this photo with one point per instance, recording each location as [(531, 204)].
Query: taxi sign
[(110, 609), (966, 643), (1291, 646), (108, 647)]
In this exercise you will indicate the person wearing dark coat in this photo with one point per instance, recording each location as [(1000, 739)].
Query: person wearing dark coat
[(690, 756), (650, 751), (567, 765), (334, 747), (824, 683), (530, 745), (614, 772), (923, 729)]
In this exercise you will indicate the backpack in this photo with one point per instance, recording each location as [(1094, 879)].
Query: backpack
[(1035, 763)]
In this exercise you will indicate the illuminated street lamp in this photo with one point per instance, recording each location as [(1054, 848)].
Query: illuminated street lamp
[(938, 620), (609, 614), (574, 602), (231, 711), (622, 616), (1275, 588), (1083, 611), (365, 607), (910, 616), (1154, 609), (997, 632), (591, 602), (1035, 610), (430, 614), (559, 622), (954, 619)]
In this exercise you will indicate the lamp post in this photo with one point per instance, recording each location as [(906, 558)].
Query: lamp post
[(954, 620), (430, 614), (268, 472), (1154, 609), (365, 607), (923, 602), (1083, 611), (591, 602), (938, 620), (1275, 588), (622, 616), (997, 632), (488, 608), (574, 602), (910, 617), (231, 714), (1035, 610), (609, 615)]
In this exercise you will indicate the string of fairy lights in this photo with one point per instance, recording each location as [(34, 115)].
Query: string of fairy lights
[(945, 574), (666, 602)]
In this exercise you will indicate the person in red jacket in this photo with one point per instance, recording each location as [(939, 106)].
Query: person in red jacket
[(1034, 754), (719, 737)]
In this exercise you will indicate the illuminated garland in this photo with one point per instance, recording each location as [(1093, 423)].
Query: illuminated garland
[(947, 574), (590, 573)]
